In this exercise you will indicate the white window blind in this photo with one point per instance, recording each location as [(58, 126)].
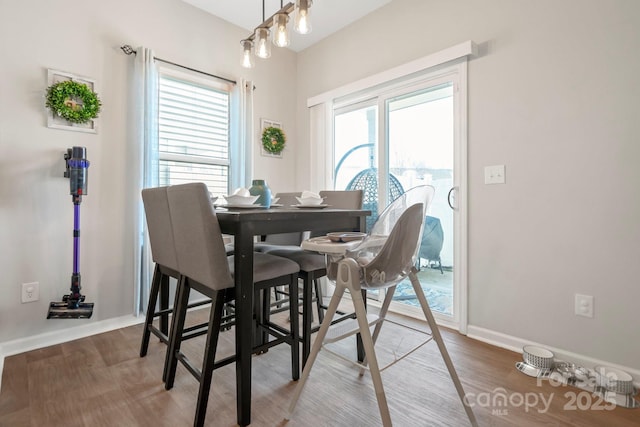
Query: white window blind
[(193, 131)]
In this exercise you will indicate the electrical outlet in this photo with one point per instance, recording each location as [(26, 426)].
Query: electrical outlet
[(584, 305), (30, 292)]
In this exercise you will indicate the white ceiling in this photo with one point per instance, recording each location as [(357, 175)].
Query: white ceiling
[(327, 16)]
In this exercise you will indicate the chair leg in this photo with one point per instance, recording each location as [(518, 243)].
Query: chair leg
[(294, 328), (215, 317), (151, 308), (319, 304), (277, 295), (177, 325), (261, 307), (438, 339), (168, 354), (164, 304), (317, 345), (370, 353), (384, 309)]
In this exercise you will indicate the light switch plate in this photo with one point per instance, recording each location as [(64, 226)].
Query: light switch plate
[(494, 174)]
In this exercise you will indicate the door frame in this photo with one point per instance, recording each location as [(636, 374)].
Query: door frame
[(321, 144), (456, 74)]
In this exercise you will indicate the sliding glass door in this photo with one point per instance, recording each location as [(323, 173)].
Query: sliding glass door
[(402, 137), (420, 146)]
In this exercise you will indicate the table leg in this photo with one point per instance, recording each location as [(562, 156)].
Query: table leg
[(243, 275)]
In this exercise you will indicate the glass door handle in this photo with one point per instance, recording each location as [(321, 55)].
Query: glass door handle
[(451, 197)]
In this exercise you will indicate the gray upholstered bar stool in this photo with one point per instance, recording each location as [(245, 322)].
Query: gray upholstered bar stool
[(204, 266), (313, 265), (156, 208)]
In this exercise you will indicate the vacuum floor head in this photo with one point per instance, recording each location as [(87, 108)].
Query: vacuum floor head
[(61, 310)]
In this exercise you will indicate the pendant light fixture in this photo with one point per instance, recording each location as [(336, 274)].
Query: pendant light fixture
[(262, 48), (281, 34), (247, 59), (259, 39), (302, 22)]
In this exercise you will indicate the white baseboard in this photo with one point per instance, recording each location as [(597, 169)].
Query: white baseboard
[(47, 339), (512, 343)]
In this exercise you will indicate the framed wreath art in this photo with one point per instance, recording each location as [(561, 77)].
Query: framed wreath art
[(273, 138), (72, 102)]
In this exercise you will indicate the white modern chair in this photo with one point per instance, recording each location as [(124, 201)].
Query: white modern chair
[(384, 258)]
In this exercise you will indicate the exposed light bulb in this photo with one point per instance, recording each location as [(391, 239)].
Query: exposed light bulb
[(302, 22), (281, 34), (262, 48), (247, 58)]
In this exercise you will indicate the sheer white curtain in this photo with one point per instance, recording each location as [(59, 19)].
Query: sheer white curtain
[(143, 151), (242, 146), (320, 147)]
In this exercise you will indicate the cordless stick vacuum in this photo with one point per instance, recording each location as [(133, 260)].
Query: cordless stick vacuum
[(73, 306)]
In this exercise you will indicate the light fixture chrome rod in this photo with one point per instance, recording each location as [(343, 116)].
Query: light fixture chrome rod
[(267, 23)]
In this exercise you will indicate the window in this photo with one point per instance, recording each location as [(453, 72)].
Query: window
[(193, 132)]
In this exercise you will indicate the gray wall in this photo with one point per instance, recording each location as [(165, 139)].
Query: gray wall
[(554, 96), (36, 213)]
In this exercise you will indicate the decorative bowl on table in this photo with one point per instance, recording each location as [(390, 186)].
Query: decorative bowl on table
[(310, 201), (309, 198), (237, 200)]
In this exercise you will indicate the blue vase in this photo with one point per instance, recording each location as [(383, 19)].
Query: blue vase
[(260, 188)]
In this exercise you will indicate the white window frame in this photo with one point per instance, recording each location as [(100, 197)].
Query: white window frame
[(196, 78)]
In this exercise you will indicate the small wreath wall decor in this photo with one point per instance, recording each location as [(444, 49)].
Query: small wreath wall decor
[(73, 101), (273, 140)]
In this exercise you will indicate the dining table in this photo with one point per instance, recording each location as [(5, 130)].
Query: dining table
[(246, 223)]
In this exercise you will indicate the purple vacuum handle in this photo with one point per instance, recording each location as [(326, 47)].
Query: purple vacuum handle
[(76, 238)]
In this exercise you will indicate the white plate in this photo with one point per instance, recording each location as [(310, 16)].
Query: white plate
[(241, 206), (236, 200), (309, 200), (310, 206)]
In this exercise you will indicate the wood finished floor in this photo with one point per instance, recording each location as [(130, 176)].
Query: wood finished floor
[(101, 381)]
